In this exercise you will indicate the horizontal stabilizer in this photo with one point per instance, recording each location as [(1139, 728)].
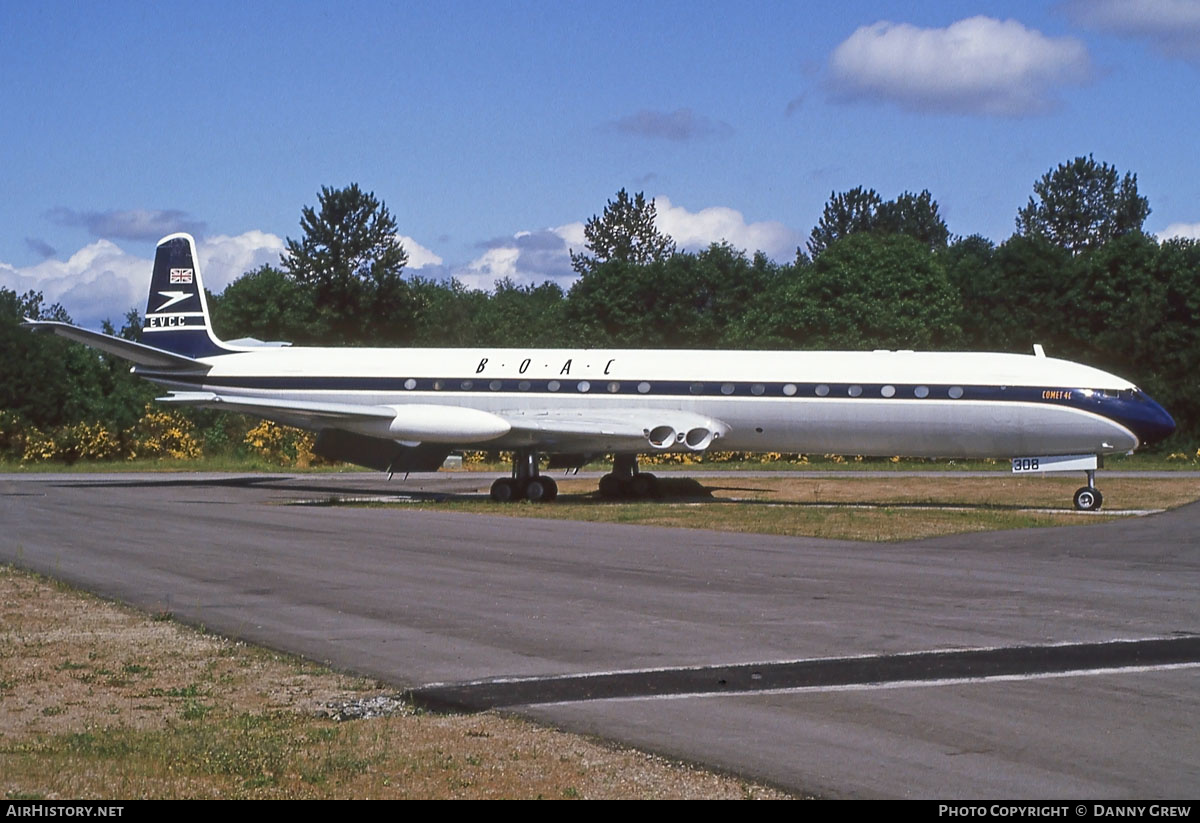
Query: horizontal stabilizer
[(137, 353)]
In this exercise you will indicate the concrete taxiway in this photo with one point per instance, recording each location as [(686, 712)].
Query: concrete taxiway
[(672, 617)]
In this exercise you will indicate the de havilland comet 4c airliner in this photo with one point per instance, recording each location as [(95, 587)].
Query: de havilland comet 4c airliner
[(406, 409)]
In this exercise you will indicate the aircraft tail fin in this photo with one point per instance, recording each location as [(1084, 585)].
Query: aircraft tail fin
[(177, 318)]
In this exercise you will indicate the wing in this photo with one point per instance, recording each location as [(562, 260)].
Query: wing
[(615, 430)]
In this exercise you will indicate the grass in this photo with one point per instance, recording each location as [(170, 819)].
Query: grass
[(850, 507), (192, 715), (244, 463)]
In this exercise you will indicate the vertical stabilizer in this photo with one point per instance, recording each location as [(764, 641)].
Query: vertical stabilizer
[(176, 311)]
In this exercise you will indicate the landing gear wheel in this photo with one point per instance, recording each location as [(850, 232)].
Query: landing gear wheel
[(611, 487), (1088, 499), (541, 490), (643, 486), (505, 490)]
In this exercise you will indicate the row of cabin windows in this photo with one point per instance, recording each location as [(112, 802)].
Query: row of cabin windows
[(757, 389)]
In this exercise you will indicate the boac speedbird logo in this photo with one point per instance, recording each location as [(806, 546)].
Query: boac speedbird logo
[(173, 297)]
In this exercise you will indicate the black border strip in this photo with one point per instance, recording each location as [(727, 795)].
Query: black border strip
[(820, 673)]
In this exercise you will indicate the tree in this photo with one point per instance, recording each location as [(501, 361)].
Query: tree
[(863, 210), (844, 214), (866, 291), (915, 215), (352, 258), (625, 233), (1082, 205), (50, 382), (267, 304)]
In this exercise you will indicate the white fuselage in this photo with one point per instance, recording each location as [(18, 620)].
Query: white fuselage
[(869, 403)]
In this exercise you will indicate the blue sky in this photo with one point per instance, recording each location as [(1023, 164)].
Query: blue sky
[(493, 130)]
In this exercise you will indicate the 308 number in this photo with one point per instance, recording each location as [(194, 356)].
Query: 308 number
[(1025, 464)]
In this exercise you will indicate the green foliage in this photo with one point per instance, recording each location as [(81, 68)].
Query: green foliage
[(863, 210), (522, 316), (50, 382), (686, 300), (915, 215), (866, 291), (269, 305), (625, 233), (1082, 205), (844, 214), (352, 258), (1172, 342)]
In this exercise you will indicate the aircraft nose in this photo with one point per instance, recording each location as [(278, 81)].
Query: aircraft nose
[(1148, 420)]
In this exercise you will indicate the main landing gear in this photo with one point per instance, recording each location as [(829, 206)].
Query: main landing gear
[(526, 482), (626, 481), (1088, 498)]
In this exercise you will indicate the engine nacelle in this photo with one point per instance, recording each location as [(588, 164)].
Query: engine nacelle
[(685, 432)]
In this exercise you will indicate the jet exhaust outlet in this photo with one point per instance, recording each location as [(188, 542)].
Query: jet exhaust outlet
[(661, 437), (698, 439)]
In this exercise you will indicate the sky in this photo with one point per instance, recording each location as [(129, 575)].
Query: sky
[(494, 130)]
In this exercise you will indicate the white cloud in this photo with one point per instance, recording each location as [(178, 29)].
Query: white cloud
[(528, 257), (1172, 26), (698, 230), (494, 264), (102, 281), (94, 284), (1189, 231), (418, 255), (572, 234), (533, 257), (224, 259), (974, 66)]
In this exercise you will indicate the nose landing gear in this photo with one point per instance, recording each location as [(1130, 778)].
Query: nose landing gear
[(1088, 498)]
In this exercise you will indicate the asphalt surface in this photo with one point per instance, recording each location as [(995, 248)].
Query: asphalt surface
[(609, 628)]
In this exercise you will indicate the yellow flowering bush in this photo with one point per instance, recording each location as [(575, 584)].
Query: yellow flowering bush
[(86, 441), (162, 433), (38, 446), (283, 445)]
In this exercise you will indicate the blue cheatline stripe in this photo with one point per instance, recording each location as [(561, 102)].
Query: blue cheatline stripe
[(1114, 405)]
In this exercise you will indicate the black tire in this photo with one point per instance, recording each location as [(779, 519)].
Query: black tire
[(504, 490), (1088, 499), (537, 490), (551, 489), (611, 487)]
